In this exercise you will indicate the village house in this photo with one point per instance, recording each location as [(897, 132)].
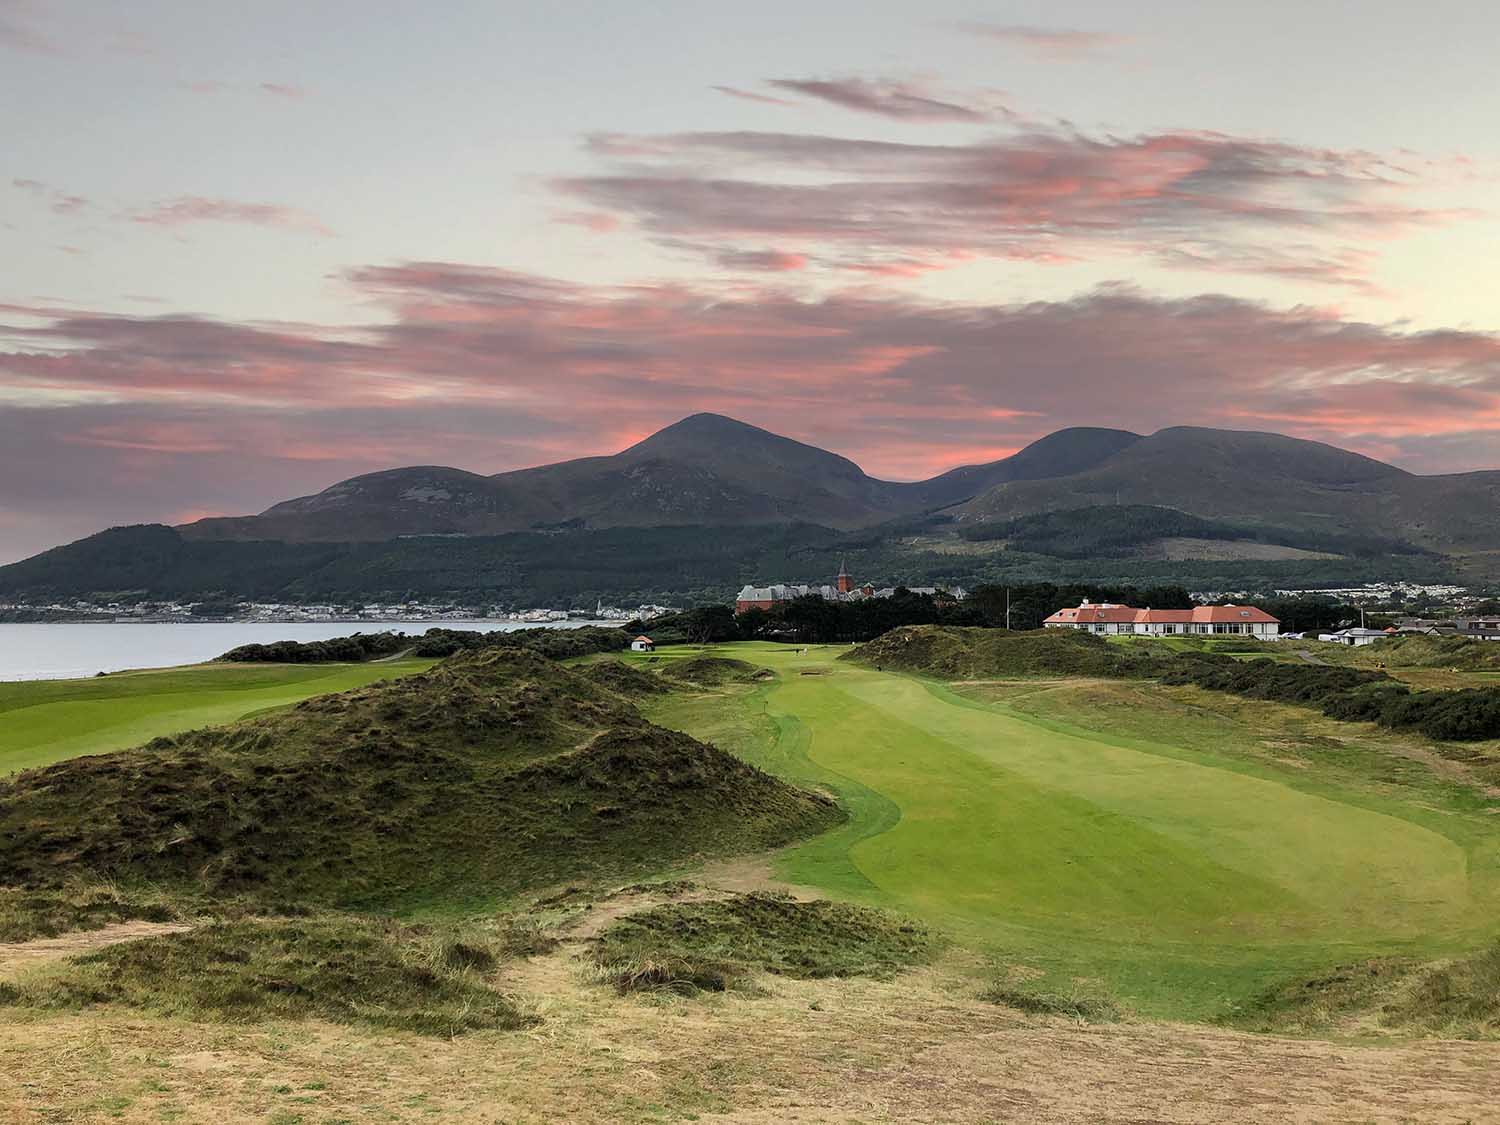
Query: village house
[(1107, 617)]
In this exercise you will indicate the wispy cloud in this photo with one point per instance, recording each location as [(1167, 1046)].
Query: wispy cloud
[(20, 30), (1196, 200), (199, 209), (753, 96), (215, 86), (1050, 42), (57, 200), (902, 101)]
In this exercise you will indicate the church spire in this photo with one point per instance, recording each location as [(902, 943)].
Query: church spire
[(845, 583)]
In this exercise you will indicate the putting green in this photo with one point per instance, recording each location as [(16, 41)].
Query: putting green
[(45, 721), (1180, 879)]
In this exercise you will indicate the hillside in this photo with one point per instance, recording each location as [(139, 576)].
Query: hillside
[(1268, 480), (709, 504), (704, 470), (494, 774)]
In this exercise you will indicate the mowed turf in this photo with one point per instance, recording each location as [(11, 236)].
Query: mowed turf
[(1181, 880), (45, 721)]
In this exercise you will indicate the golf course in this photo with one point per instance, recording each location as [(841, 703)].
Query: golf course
[(1144, 865), (1174, 850)]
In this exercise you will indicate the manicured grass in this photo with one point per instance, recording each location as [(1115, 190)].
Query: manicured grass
[(1151, 865), (46, 721)]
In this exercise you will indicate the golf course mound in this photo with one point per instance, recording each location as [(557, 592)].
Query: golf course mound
[(710, 671), (710, 946), (624, 679), (339, 968), (1455, 999), (965, 653), (492, 774)]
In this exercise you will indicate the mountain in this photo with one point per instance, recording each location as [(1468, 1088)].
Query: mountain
[(705, 470), (1268, 480), (709, 503)]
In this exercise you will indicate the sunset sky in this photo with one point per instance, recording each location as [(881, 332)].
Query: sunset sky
[(251, 249)]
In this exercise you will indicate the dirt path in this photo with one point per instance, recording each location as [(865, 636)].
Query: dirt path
[(20, 954), (1309, 658)]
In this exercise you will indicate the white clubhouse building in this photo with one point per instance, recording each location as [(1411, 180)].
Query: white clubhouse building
[(1106, 617)]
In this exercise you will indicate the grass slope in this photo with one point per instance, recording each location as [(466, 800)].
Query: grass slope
[(491, 774), (1173, 875), (46, 721)]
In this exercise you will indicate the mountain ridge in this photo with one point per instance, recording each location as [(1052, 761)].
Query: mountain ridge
[(705, 469)]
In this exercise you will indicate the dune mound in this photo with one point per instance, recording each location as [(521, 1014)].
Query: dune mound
[(492, 774)]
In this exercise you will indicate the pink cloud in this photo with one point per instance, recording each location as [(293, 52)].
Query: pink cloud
[(1198, 200), (466, 344), (597, 221), (1049, 42), (198, 209), (19, 30), (58, 201)]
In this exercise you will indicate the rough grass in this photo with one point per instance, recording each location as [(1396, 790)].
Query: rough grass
[(623, 679), (496, 773), (82, 905), (955, 653), (1456, 999), (1080, 1006), (709, 671), (1467, 654), (710, 946), (339, 968)]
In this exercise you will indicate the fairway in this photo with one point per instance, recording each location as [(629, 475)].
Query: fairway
[(1175, 877), (45, 721)]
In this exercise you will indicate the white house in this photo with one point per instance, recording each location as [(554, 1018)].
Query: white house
[(1355, 637), (1106, 617), (643, 644)]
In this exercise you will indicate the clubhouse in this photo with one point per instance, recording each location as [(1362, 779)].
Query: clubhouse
[(1106, 617)]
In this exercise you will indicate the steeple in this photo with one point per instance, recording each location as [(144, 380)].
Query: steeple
[(845, 583)]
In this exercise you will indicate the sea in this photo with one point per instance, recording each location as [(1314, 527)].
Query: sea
[(67, 651)]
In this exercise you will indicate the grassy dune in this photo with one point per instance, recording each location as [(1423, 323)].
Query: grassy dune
[(1182, 877), (46, 721)]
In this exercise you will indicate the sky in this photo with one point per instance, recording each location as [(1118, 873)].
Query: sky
[(247, 251)]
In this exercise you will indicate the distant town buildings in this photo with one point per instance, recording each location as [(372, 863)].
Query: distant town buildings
[(1107, 617), (842, 590)]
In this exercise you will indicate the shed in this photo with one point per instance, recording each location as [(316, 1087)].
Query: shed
[(643, 644)]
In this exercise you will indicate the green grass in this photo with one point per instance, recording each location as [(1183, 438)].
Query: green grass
[(1180, 878), (46, 721), (711, 946)]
